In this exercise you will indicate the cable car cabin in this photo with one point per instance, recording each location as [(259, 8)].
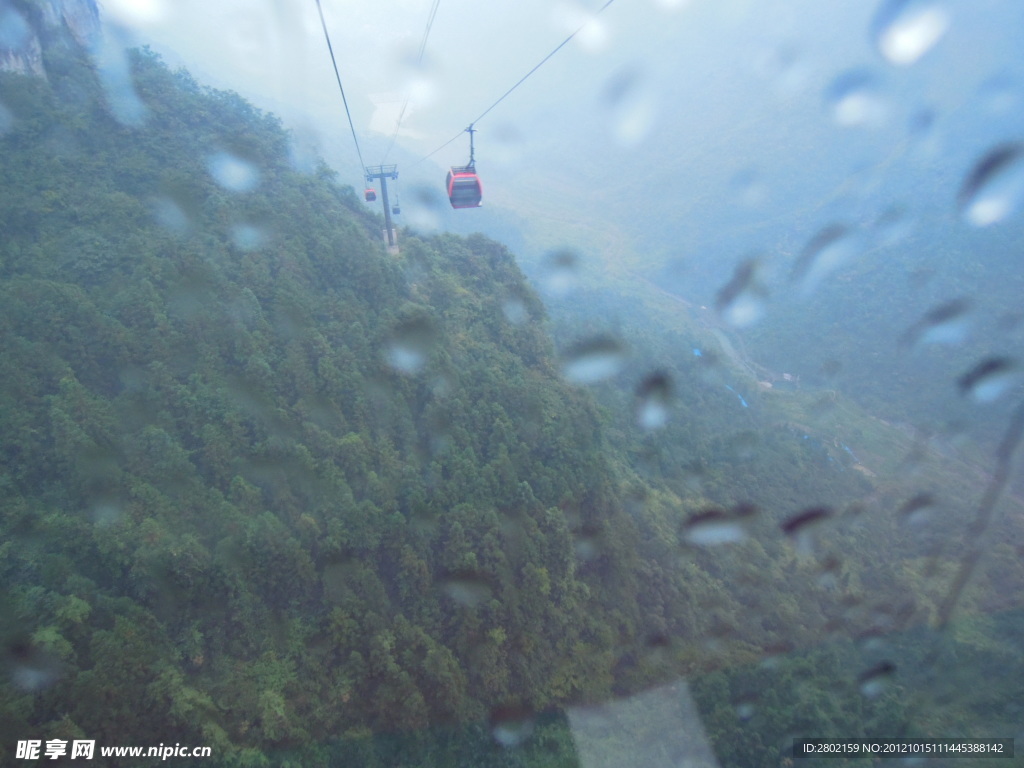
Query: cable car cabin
[(370, 195), (464, 188)]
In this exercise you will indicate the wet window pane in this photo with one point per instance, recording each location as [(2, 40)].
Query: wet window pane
[(689, 432)]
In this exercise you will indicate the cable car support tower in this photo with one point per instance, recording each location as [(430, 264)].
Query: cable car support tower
[(383, 173)]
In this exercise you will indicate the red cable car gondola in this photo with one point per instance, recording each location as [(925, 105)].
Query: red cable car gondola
[(463, 185), (370, 194), (464, 188)]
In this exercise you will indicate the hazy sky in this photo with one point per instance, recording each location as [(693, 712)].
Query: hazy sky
[(710, 89), (274, 52)]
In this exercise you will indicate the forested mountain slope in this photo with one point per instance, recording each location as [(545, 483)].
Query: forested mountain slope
[(268, 488), (263, 482)]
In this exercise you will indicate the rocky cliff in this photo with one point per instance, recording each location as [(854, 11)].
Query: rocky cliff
[(27, 26)]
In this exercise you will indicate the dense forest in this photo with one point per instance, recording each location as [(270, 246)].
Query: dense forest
[(270, 488)]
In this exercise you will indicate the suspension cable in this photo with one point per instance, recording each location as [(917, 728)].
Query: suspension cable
[(419, 63), (337, 75), (522, 80)]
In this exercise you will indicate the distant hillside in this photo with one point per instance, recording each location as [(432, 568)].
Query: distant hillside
[(740, 167)]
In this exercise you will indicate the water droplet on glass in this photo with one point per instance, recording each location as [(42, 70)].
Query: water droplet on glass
[(631, 105), (657, 643), (232, 172), (439, 439), (709, 366), (994, 188), (828, 575), (905, 30), (827, 251), (872, 641), (801, 528), (714, 527), (923, 131), (989, 379), (892, 226), (422, 89), (135, 13), (511, 727), (653, 396), (515, 311), (1000, 94), (116, 77), (786, 68), (15, 32), (741, 301), (593, 360), (106, 512), (922, 123), (247, 237), (775, 654), (514, 307), (414, 70), (505, 145), (470, 588), (423, 206), (830, 369), (410, 345), (170, 215), (918, 509), (32, 679), (441, 386), (560, 274), (635, 502), (743, 446), (31, 668), (746, 708), (855, 99), (588, 542), (304, 149), (748, 188), (874, 681), (944, 324), (592, 33), (692, 477)]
